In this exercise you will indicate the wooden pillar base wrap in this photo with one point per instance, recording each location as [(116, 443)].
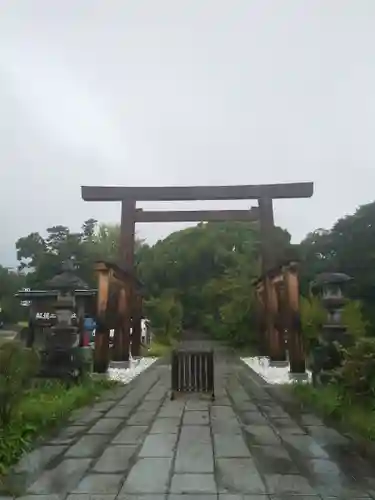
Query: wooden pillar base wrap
[(276, 341), (295, 338), (136, 326), (101, 351), (121, 341)]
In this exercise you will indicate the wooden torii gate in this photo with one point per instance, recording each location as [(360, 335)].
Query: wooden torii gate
[(130, 215)]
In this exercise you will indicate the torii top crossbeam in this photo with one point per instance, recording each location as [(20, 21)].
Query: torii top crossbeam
[(187, 193)]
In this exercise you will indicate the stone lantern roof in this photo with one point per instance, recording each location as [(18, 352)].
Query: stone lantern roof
[(330, 279), (66, 279)]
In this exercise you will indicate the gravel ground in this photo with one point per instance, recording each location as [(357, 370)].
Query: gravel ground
[(136, 366), (272, 373)]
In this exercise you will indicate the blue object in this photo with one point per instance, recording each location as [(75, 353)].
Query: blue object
[(89, 324)]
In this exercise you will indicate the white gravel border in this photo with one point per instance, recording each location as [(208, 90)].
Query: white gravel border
[(274, 374), (136, 367)]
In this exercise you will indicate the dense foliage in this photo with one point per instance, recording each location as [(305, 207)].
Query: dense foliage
[(208, 269)]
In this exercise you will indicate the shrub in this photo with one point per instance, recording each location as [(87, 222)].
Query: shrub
[(18, 366), (357, 373), (313, 316), (353, 318)]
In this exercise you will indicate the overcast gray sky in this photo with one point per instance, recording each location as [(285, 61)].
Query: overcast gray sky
[(168, 92)]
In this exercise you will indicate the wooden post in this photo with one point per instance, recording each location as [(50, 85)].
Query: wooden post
[(261, 318), (126, 258), (295, 339), (268, 263), (119, 339), (277, 345), (136, 325), (101, 351)]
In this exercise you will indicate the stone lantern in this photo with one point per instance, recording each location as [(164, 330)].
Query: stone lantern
[(330, 288)]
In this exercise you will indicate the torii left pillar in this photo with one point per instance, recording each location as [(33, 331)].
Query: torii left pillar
[(276, 348)]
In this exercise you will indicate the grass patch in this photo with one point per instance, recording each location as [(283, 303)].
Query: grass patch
[(44, 407), (157, 350), (329, 402)]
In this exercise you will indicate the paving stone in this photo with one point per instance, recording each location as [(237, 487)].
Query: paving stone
[(100, 483), (193, 483), (159, 445), (286, 425), (221, 401), (148, 475), (273, 460), (319, 466), (62, 478), (231, 426), (261, 435), (197, 405), (68, 435), (194, 433), (103, 407), (229, 446), (288, 484), (246, 406), (238, 474), (223, 413), (141, 418), (306, 446), (326, 436), (342, 492), (33, 497), (106, 426), (253, 418), (156, 395), (133, 434), (193, 496), (130, 402), (288, 496), (238, 496), (172, 409), (165, 426), (88, 496), (142, 497), (196, 418), (115, 459), (120, 412), (89, 417), (309, 419), (194, 455), (33, 462), (87, 446), (275, 411), (149, 406)]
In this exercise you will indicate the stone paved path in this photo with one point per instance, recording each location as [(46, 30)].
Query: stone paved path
[(140, 445)]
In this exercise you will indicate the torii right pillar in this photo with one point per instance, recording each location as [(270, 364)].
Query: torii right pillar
[(295, 339)]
